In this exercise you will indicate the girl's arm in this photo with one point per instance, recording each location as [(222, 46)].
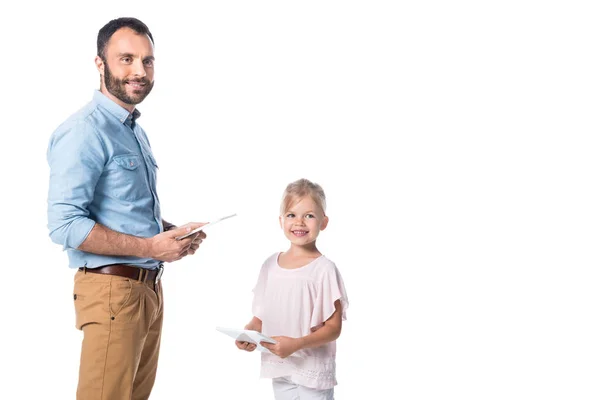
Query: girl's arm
[(328, 333), (331, 330), (254, 325)]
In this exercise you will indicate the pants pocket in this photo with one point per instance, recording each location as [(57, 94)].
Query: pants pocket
[(91, 305), (120, 295)]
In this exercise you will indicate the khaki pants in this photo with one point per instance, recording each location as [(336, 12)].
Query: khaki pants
[(121, 320)]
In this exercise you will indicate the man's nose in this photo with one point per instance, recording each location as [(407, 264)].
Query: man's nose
[(138, 68)]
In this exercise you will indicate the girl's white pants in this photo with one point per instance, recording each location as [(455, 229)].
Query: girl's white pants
[(286, 390)]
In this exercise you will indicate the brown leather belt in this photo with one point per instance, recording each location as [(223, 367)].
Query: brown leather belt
[(128, 271)]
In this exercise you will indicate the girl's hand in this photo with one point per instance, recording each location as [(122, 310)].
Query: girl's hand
[(284, 347), (245, 345)]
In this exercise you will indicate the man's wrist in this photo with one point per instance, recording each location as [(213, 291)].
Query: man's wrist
[(145, 247)]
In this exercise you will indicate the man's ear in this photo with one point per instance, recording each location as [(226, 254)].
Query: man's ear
[(99, 65), (324, 222)]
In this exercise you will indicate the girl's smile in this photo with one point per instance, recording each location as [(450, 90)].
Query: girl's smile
[(303, 222)]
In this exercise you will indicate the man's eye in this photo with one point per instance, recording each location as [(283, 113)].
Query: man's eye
[(126, 59), (148, 63)]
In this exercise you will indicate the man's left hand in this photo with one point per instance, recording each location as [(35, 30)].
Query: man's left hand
[(196, 243)]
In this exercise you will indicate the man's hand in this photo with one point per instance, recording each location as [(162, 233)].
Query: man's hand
[(196, 242), (165, 246), (284, 347)]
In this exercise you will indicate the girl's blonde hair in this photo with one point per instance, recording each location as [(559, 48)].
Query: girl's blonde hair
[(299, 189)]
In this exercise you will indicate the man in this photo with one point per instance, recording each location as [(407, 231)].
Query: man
[(103, 208)]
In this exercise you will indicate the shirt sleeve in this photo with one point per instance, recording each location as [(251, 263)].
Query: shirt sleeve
[(259, 293), (331, 289), (76, 157)]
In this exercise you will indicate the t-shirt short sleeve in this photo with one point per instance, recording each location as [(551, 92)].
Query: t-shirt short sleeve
[(259, 291), (331, 289)]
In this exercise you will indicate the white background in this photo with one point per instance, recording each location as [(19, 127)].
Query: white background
[(457, 143)]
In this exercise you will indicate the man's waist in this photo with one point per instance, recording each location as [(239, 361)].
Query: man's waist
[(78, 258), (128, 271)]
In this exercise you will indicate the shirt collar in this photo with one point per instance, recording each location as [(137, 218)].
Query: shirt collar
[(116, 110)]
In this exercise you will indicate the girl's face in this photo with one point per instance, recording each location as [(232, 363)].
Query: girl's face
[(303, 221)]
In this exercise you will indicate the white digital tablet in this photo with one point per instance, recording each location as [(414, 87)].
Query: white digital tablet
[(245, 335), (203, 227)]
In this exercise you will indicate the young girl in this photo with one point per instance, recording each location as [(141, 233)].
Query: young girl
[(300, 301)]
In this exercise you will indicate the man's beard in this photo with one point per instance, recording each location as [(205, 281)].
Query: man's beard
[(118, 87)]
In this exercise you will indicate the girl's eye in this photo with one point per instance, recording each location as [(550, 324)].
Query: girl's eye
[(309, 216), (290, 215)]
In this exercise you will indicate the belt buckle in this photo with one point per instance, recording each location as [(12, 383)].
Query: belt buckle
[(161, 269)]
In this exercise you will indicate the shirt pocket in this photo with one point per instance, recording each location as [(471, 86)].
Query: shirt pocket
[(128, 180)]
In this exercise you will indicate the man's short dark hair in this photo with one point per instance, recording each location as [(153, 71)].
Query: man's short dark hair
[(109, 29)]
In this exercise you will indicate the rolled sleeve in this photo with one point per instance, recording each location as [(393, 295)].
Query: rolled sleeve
[(76, 157)]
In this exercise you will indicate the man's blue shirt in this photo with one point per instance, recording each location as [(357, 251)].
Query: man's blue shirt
[(101, 170)]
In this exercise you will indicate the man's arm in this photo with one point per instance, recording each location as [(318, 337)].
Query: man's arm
[(163, 247), (76, 157)]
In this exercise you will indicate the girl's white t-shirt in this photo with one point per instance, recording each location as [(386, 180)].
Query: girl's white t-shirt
[(295, 303)]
